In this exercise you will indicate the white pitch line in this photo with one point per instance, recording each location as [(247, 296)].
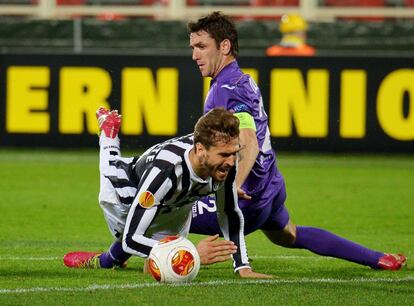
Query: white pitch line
[(30, 258), (209, 283), (288, 257), (291, 257)]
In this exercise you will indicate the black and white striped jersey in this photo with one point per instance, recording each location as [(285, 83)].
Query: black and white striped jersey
[(161, 187)]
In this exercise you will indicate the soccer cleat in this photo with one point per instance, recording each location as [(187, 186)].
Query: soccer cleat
[(392, 262), (109, 122), (87, 260), (101, 111)]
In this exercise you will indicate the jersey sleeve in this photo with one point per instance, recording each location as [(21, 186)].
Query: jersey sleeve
[(241, 99), (153, 187), (231, 219)]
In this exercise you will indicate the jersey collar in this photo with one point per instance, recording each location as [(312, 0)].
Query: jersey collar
[(225, 72)]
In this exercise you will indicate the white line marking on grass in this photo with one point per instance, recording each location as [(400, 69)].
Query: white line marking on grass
[(30, 258), (209, 283), (291, 257), (288, 257)]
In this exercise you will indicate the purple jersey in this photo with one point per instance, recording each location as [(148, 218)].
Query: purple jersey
[(238, 92)]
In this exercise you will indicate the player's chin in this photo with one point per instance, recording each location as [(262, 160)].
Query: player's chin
[(204, 73), (220, 175)]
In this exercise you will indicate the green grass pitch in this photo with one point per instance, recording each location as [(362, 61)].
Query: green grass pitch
[(48, 206)]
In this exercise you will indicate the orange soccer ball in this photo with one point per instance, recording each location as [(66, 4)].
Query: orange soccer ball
[(174, 260)]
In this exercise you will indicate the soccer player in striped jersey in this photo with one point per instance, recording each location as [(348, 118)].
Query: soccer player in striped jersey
[(261, 186), (149, 197)]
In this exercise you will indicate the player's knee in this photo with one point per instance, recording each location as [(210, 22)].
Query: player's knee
[(289, 233), (285, 237)]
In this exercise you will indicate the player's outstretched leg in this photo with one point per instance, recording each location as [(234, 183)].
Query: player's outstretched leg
[(109, 123), (115, 257), (325, 243)]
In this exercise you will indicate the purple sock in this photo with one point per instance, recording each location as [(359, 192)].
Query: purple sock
[(114, 257), (327, 244)]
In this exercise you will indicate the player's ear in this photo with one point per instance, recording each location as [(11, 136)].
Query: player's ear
[(225, 46), (200, 149)]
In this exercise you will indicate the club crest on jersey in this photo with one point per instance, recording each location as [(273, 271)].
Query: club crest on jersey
[(146, 199)]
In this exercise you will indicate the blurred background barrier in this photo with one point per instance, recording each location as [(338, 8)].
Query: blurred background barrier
[(336, 27), (147, 36), (61, 59), (314, 103)]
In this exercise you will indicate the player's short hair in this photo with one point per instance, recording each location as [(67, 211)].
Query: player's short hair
[(219, 27), (218, 125)]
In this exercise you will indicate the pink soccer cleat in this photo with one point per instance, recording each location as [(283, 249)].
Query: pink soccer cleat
[(392, 262), (82, 260), (109, 122), (101, 111)]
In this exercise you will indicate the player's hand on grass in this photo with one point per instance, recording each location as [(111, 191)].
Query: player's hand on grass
[(249, 273), (242, 194), (213, 250)]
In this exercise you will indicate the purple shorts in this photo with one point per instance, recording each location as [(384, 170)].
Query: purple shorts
[(261, 213)]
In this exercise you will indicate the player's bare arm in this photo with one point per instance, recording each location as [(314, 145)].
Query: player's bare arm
[(248, 140)]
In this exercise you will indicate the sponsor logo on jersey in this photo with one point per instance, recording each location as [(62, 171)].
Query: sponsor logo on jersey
[(146, 199), (228, 86)]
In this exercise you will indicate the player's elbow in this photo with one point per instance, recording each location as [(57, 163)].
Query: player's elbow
[(129, 243), (254, 151), (248, 139), (126, 242), (134, 244)]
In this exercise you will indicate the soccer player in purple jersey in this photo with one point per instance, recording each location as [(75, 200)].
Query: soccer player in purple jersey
[(261, 187)]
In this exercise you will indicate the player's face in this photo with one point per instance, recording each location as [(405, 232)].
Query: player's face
[(210, 59), (218, 159)]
